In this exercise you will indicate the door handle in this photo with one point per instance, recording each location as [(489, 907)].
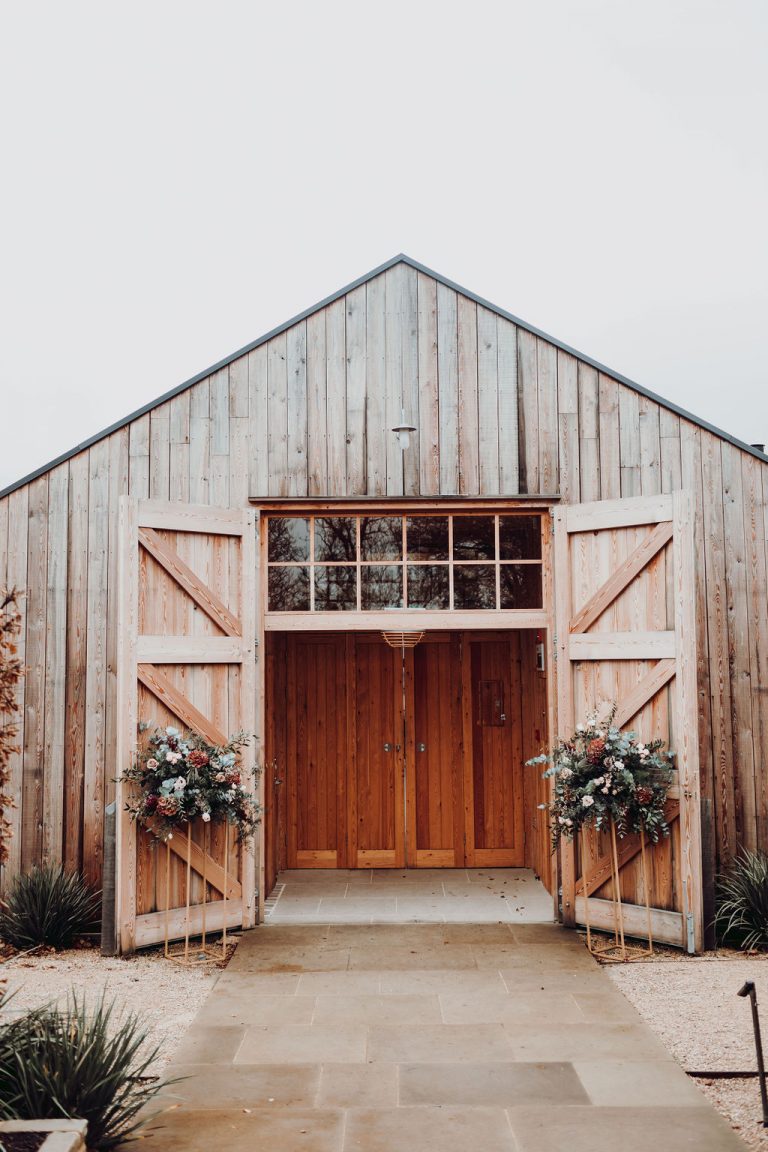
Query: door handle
[(421, 747), (387, 747), (276, 782)]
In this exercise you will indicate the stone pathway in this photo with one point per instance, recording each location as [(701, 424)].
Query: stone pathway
[(424, 895), (441, 1037)]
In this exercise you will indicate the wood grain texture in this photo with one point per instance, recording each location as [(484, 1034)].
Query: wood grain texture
[(34, 690), (55, 666)]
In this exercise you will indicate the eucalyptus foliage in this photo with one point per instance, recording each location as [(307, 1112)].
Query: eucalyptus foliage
[(601, 774), (77, 1064), (742, 900), (48, 906)]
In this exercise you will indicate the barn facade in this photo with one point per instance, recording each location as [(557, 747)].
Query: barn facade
[(549, 537)]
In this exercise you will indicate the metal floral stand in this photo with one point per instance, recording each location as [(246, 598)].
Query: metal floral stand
[(205, 953), (616, 952)]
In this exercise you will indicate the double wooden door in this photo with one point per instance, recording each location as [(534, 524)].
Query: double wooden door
[(381, 758)]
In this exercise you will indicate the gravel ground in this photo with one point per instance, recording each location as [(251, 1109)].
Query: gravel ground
[(691, 1004), (137, 984)]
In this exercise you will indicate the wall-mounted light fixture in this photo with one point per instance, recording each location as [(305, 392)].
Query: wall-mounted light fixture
[(403, 431)]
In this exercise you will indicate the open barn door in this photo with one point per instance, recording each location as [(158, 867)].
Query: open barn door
[(187, 626), (624, 607)]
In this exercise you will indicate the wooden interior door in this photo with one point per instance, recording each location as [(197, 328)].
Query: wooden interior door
[(377, 800), (435, 814), (317, 752), (494, 770)]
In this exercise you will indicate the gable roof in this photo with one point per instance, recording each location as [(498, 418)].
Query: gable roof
[(401, 258)]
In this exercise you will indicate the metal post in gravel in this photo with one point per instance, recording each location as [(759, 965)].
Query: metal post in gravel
[(748, 989)]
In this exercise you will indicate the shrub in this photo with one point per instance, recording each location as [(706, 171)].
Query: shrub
[(48, 906), (742, 900), (77, 1064)]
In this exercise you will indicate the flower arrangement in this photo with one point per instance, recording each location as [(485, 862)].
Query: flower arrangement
[(602, 773), (180, 777)]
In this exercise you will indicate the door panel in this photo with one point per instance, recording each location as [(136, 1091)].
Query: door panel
[(497, 753), (316, 751), (379, 839), (435, 819)]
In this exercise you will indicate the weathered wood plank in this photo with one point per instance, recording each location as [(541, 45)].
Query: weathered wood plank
[(669, 448), (469, 467), (297, 409), (77, 631), (336, 396), (189, 649), (509, 446), (610, 453), (410, 378), (488, 400), (199, 444), (650, 447), (546, 369), (55, 665), (622, 645), (258, 449), (629, 706), (738, 647), (589, 432), (448, 389), (178, 448), (96, 649), (198, 518), (160, 453), (118, 487), (139, 435), (429, 408), (126, 732), (629, 441), (34, 691), (375, 375), (394, 399), (277, 414), (753, 479), (568, 427), (687, 727), (716, 612), (356, 384), (528, 411)]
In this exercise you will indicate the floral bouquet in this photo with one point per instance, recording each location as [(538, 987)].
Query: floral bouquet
[(602, 773), (179, 777)]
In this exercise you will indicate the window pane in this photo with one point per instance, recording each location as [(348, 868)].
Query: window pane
[(520, 537), (287, 538), (474, 538), (428, 586), (475, 586), (427, 537), (381, 538), (288, 589), (381, 586), (335, 589), (335, 538), (521, 586)]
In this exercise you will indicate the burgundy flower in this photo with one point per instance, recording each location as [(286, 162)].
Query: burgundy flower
[(150, 804), (197, 758), (595, 751)]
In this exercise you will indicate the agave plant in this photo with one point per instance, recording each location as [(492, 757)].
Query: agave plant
[(742, 900), (77, 1063), (48, 905)]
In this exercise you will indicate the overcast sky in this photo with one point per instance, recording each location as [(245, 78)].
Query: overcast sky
[(178, 178)]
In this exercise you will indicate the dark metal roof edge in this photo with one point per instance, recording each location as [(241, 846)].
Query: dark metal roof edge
[(400, 258), (441, 497)]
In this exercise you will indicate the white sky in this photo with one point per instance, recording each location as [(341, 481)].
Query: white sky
[(178, 178)]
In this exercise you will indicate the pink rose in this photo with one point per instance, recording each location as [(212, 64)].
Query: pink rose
[(152, 763)]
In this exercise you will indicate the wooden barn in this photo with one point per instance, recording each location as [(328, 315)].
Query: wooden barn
[(403, 458)]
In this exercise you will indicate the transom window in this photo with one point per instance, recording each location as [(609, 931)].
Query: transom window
[(456, 562)]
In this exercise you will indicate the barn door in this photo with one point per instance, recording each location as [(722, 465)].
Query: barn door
[(625, 629), (187, 628)]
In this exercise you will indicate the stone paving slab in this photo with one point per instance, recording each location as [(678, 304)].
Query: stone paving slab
[(426, 1038)]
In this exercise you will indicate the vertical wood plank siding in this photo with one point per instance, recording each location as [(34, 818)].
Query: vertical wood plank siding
[(498, 410)]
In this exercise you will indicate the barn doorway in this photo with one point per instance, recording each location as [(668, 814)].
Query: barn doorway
[(390, 758)]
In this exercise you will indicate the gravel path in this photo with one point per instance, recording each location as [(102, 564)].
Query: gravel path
[(691, 1004), (165, 995)]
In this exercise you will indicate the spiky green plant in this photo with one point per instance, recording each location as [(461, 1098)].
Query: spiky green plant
[(48, 905), (742, 900), (78, 1063)]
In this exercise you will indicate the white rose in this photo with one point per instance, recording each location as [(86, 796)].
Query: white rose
[(206, 817), (587, 801)]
